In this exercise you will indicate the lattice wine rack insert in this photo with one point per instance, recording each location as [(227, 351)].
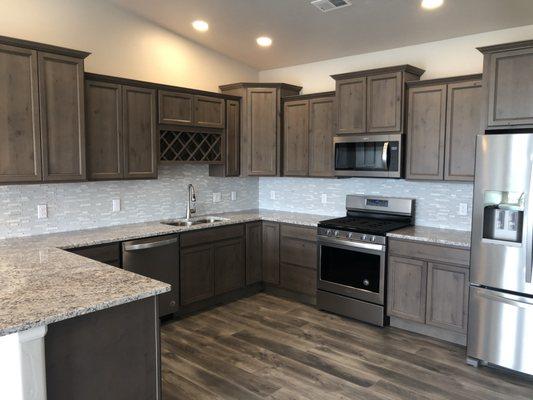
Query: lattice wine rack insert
[(182, 146)]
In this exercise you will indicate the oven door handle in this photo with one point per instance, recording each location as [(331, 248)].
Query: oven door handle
[(356, 245)]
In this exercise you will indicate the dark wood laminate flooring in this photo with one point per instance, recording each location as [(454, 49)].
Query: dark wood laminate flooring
[(264, 347)]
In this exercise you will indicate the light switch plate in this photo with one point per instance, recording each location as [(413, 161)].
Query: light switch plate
[(463, 209), (324, 198), (272, 195), (233, 196), (116, 205), (216, 197), (42, 211)]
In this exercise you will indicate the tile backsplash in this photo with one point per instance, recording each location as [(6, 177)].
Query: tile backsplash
[(437, 203), (73, 206), (85, 205)]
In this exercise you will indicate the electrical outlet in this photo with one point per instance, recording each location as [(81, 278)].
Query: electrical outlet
[(217, 197), (324, 198), (233, 196), (463, 209), (116, 205), (272, 195), (42, 211)]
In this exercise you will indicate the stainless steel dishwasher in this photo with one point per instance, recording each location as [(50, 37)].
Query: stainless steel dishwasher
[(156, 258)]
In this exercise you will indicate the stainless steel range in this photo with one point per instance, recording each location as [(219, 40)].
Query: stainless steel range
[(352, 256)]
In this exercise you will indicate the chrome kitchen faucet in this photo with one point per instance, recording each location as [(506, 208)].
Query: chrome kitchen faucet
[(191, 201)]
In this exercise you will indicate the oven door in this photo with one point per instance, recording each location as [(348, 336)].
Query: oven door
[(371, 156), (353, 269)]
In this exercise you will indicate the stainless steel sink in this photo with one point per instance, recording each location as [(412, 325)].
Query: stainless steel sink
[(196, 221)]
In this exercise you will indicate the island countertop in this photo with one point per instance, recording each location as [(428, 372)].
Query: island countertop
[(41, 283)]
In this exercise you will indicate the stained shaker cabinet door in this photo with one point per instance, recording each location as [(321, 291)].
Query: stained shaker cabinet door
[(233, 138), (271, 252), (407, 289), (384, 110), (230, 268), (140, 134), (463, 115), (447, 296), (351, 103), (321, 131), (254, 252), (175, 108), (296, 138), (209, 111), (197, 274), (20, 135), (61, 95), (103, 122), (426, 132), (510, 88)]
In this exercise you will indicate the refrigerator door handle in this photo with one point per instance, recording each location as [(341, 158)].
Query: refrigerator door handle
[(529, 227), (516, 301)]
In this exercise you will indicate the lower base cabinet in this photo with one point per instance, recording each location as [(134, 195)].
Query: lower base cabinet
[(428, 285), (254, 252), (212, 262)]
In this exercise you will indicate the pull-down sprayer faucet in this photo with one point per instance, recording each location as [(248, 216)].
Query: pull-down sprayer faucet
[(191, 201)]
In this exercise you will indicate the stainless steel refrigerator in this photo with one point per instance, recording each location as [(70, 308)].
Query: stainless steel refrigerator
[(500, 321)]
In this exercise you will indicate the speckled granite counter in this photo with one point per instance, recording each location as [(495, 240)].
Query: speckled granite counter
[(40, 283), (448, 237)]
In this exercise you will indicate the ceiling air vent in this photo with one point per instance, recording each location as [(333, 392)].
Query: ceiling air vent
[(329, 5)]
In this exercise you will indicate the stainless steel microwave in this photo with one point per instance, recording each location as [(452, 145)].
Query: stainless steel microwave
[(378, 156)]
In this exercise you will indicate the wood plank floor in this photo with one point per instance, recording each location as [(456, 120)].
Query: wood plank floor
[(264, 347)]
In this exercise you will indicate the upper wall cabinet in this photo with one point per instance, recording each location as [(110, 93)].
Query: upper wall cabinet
[(42, 133), (261, 116), (176, 108), (232, 143), (122, 137), (508, 86), (308, 129), (372, 101), (443, 121)]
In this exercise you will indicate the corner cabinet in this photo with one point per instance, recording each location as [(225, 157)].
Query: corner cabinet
[(508, 87), (261, 116), (122, 136), (442, 123), (308, 130), (41, 113), (373, 101), (428, 288)]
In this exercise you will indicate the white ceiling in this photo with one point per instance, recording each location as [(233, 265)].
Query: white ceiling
[(302, 34)]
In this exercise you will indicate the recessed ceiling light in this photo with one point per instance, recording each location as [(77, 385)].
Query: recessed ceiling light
[(200, 25), (264, 41), (431, 4)]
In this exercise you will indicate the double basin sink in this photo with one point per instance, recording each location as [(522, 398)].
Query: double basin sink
[(196, 221)]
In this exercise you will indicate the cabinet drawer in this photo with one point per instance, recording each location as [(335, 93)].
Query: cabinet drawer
[(298, 252), (211, 235), (106, 253), (433, 252), (298, 232), (298, 279)]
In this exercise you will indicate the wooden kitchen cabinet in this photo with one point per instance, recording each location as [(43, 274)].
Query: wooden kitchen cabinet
[(212, 262), (232, 143), (507, 86), (296, 138), (103, 120), (308, 130), (261, 116), (254, 252), (271, 252), (428, 289), (141, 138), (372, 101), (41, 113), (20, 133), (122, 136), (443, 121), (186, 109)]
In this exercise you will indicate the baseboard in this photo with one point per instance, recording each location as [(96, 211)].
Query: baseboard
[(433, 331)]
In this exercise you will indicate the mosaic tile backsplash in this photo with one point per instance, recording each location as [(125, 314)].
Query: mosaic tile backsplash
[(437, 203), (73, 206)]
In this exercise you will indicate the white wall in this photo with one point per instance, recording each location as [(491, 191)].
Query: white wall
[(440, 59), (121, 43)]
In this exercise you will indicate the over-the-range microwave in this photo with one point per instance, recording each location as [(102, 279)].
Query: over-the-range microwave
[(378, 156)]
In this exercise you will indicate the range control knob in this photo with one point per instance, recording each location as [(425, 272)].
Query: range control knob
[(350, 235), (337, 233), (364, 237), (372, 238), (328, 232)]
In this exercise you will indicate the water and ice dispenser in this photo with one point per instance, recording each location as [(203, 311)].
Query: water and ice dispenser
[(503, 216)]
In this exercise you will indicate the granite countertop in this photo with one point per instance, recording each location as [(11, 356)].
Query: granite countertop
[(41, 283), (448, 237)]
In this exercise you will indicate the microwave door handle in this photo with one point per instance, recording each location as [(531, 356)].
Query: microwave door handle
[(385, 154), (529, 233)]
